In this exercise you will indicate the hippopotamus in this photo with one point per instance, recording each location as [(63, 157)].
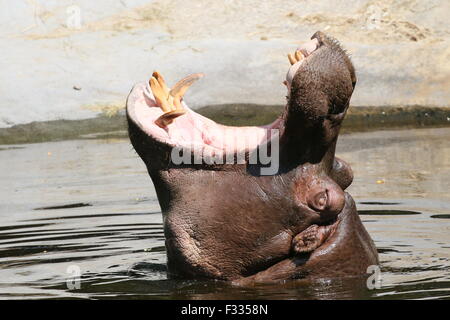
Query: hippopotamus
[(232, 212)]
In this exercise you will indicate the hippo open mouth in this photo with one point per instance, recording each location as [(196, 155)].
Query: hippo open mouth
[(163, 115), (226, 216)]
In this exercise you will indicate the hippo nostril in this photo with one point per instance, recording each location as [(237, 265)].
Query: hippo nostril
[(322, 200), (328, 201), (336, 202), (319, 201)]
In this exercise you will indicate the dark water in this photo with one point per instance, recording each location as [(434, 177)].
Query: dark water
[(89, 206)]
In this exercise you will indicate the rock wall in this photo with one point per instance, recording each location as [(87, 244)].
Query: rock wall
[(64, 59)]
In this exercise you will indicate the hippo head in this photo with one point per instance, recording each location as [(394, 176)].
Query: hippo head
[(256, 203)]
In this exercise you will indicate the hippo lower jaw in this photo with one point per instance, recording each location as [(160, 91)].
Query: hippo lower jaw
[(192, 130), (226, 219)]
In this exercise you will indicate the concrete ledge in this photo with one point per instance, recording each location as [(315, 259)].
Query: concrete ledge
[(358, 119)]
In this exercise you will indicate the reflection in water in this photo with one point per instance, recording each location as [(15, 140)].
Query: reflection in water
[(66, 206), (440, 216), (386, 212), (399, 164), (379, 203), (96, 209)]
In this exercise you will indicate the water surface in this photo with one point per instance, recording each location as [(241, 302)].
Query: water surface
[(89, 204)]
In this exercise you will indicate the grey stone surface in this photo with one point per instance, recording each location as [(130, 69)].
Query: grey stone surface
[(53, 68)]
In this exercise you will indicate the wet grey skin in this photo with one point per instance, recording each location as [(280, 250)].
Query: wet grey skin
[(230, 222)]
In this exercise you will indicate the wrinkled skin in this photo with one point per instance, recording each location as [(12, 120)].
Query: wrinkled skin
[(230, 222)]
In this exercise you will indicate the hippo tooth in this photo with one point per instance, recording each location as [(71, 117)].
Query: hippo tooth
[(161, 82), (168, 117), (292, 59), (170, 101), (298, 55), (180, 88), (159, 94)]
